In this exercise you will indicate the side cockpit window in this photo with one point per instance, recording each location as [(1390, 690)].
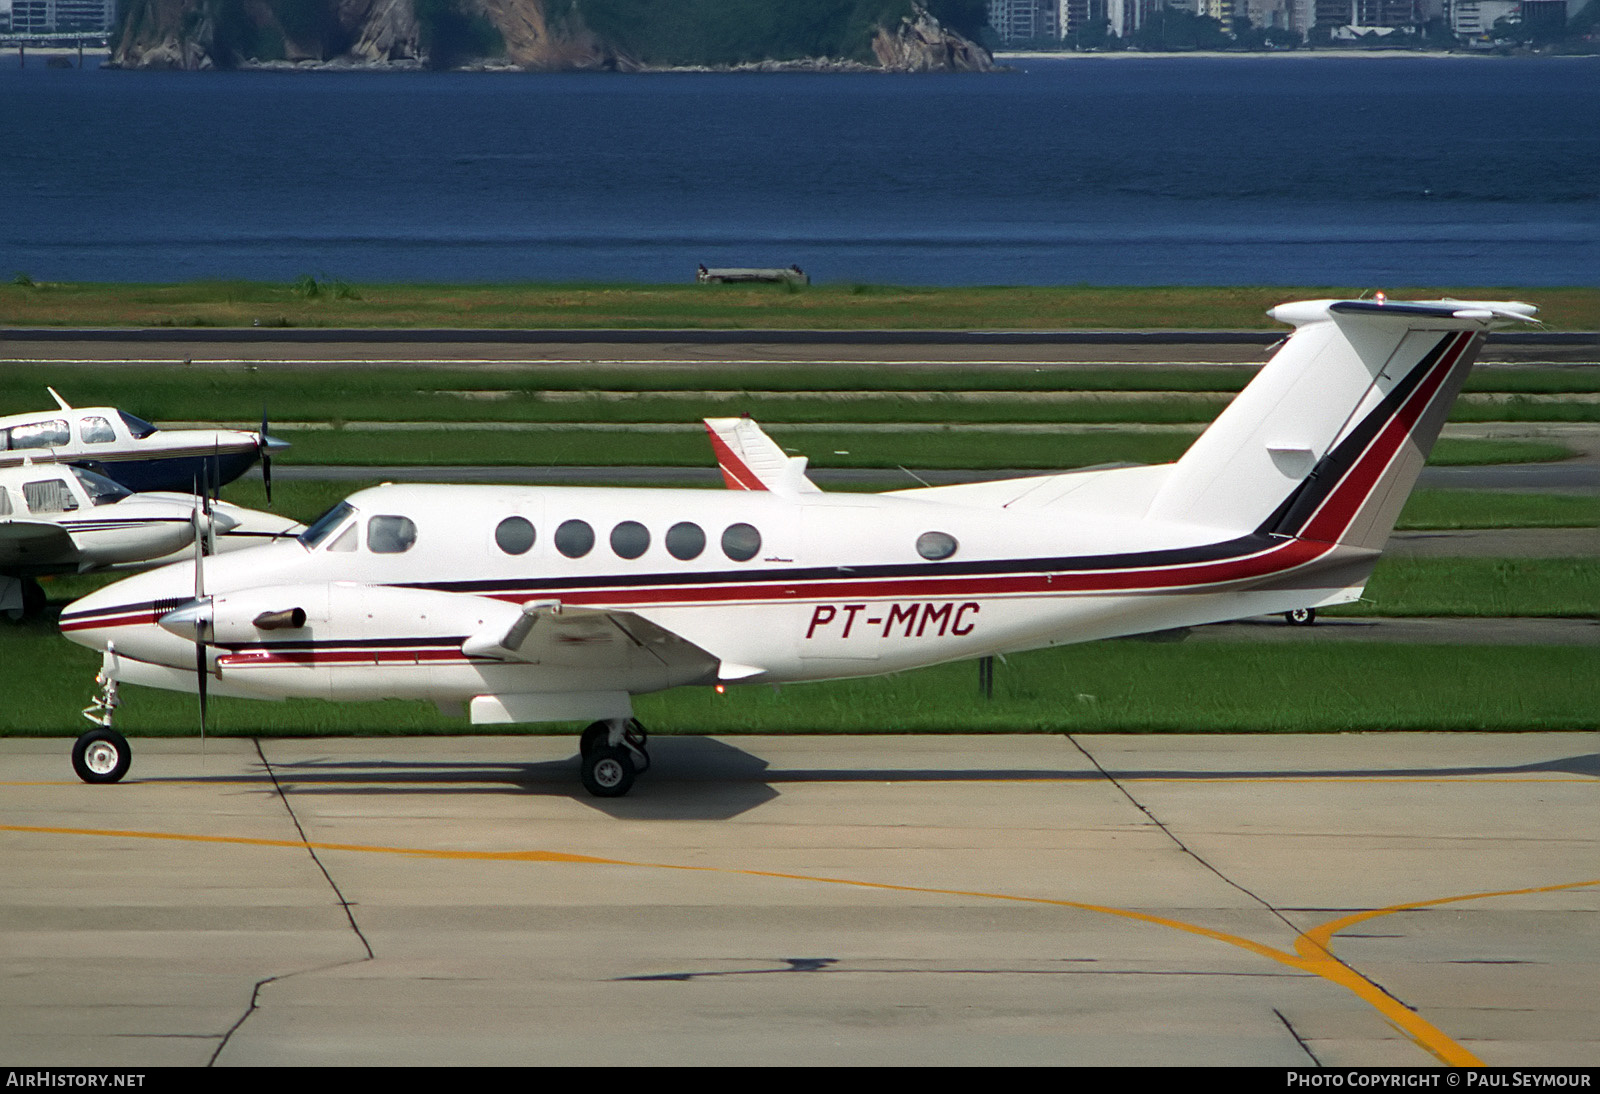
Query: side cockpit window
[(390, 535), (96, 430)]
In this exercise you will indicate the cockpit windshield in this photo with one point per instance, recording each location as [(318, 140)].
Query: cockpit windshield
[(136, 426), (325, 524), (101, 490)]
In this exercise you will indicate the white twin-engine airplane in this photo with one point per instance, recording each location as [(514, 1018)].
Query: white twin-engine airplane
[(55, 518), (524, 604)]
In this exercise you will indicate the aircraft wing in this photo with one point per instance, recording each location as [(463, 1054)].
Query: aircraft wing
[(751, 460), (34, 543), (550, 633)]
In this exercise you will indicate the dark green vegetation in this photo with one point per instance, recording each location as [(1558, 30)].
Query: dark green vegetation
[(731, 32), (1558, 587), (930, 446), (242, 303)]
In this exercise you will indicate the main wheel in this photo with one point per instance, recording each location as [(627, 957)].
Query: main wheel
[(595, 735), (101, 756), (608, 772), (1301, 617)]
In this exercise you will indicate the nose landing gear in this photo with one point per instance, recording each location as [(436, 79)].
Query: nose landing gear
[(102, 755)]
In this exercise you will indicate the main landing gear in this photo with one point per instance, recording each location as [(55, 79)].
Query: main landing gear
[(613, 754), (102, 755), (1301, 617)]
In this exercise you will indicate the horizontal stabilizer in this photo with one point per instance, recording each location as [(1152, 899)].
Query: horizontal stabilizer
[(1327, 440)]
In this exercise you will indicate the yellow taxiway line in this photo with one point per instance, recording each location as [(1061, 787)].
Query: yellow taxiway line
[(1312, 949)]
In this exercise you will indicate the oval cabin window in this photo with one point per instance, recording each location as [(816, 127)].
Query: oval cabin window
[(741, 542), (514, 536), (934, 546), (630, 539), (574, 538), (685, 541)]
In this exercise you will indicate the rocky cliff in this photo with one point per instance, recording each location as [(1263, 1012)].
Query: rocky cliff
[(548, 35)]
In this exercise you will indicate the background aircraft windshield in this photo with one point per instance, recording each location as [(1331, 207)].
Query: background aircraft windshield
[(101, 490), (324, 524), (137, 426)]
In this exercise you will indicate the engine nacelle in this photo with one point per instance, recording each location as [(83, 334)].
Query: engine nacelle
[(345, 611)]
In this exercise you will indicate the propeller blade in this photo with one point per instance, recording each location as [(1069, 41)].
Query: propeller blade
[(266, 456)]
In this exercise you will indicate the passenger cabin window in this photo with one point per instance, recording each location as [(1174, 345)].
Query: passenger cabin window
[(5, 502), (96, 430), (514, 536), (40, 435), (934, 546), (741, 542), (630, 539), (49, 496), (574, 538), (685, 541), (389, 535)]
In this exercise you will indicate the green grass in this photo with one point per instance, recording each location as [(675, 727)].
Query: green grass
[(1443, 509), (930, 447), (1567, 587), (1125, 686), (241, 303), (642, 393)]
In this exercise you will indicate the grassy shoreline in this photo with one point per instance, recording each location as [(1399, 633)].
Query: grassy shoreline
[(309, 303)]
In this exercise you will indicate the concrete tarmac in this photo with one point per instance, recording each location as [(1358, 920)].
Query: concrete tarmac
[(1338, 900)]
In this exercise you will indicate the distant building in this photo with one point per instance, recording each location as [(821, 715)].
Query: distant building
[(62, 16), (1471, 18), (1016, 22), (1367, 13)]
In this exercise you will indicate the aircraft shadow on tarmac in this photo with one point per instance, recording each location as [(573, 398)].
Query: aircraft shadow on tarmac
[(703, 778)]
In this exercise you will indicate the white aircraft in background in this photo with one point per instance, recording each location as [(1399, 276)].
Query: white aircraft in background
[(55, 518), (131, 451), (522, 604)]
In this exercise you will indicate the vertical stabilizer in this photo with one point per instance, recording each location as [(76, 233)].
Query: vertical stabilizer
[(1327, 441)]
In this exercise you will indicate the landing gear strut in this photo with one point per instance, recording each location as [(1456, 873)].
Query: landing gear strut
[(613, 754), (102, 755)]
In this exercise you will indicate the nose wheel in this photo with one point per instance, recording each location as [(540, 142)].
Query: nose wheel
[(613, 753), (101, 756)]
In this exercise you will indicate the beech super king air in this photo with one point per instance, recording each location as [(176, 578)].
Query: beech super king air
[(521, 604)]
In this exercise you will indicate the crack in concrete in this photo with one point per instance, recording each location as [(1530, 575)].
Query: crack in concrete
[(349, 914)]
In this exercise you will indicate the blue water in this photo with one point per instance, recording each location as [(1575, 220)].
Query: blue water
[(1362, 172)]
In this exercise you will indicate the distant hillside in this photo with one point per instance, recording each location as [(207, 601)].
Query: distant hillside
[(896, 35)]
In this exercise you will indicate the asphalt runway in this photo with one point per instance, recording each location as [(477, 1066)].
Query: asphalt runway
[(1341, 900)]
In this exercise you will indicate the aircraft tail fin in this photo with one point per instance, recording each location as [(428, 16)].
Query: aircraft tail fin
[(751, 460), (1327, 441)]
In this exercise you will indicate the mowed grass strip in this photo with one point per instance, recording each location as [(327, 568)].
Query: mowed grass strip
[(331, 303), (928, 445), (787, 392), (1562, 587)]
